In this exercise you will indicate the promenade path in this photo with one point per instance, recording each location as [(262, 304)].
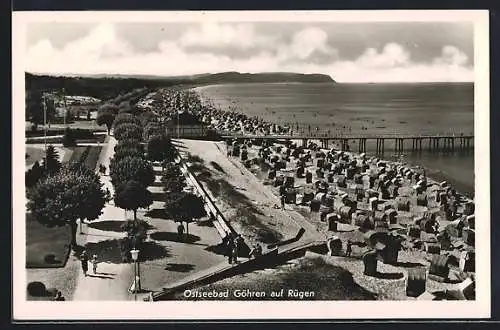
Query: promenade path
[(286, 222), (169, 261), (113, 279)]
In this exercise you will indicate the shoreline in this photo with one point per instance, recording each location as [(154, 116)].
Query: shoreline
[(466, 189)]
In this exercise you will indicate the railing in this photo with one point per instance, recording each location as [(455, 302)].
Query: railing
[(220, 223), (345, 136)]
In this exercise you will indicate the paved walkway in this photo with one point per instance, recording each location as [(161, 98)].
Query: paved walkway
[(172, 261), (112, 279)]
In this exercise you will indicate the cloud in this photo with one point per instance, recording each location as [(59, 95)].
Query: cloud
[(307, 51), (392, 55), (214, 35), (452, 56), (305, 43)]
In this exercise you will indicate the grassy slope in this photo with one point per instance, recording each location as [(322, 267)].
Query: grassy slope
[(42, 240)]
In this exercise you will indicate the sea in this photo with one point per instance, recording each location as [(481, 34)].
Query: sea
[(423, 108)]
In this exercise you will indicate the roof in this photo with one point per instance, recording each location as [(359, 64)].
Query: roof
[(184, 118)]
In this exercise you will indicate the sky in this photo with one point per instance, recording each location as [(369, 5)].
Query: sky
[(348, 52)]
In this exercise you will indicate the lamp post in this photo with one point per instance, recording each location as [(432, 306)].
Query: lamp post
[(135, 257)]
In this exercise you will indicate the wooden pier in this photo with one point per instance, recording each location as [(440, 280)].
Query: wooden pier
[(431, 142)]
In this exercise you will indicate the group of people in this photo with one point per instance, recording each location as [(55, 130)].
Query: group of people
[(233, 245), (84, 258)]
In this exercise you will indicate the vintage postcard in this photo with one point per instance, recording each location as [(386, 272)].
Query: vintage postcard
[(258, 165)]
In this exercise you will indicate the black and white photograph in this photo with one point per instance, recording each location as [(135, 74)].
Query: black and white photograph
[(295, 164)]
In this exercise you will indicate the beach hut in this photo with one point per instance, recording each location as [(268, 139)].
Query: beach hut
[(290, 196), (402, 203), (329, 200), (455, 227), (282, 190), (384, 193), (308, 177), (300, 171), (469, 208), (244, 155), (363, 221), (414, 231), (416, 281), (322, 187), (289, 181), (334, 245), (380, 220), (470, 221), (429, 225), (432, 248), (443, 198), (358, 178), (279, 180), (469, 236), (350, 171), (391, 215), (359, 193), (467, 261), (341, 181), (315, 205), (345, 213), (308, 195), (320, 197), (439, 267), (422, 200), (370, 263), (373, 203), (332, 219)]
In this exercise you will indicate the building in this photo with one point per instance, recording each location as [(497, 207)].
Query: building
[(186, 125)]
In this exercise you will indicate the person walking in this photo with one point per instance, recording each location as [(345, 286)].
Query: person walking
[(348, 249), (282, 202), (84, 258), (238, 242), (180, 232), (59, 297), (230, 245), (94, 263)]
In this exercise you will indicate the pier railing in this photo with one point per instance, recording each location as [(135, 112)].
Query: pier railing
[(435, 141)]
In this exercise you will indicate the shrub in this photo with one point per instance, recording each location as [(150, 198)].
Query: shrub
[(36, 289), (69, 139)]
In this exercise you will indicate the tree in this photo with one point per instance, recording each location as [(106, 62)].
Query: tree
[(33, 175), (160, 148), (131, 168), (152, 128), (51, 162), (185, 207), (33, 104), (125, 107), (128, 131), (129, 144), (146, 117), (109, 107), (132, 195), (69, 139), (105, 117), (75, 192), (128, 152), (125, 118), (172, 178)]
